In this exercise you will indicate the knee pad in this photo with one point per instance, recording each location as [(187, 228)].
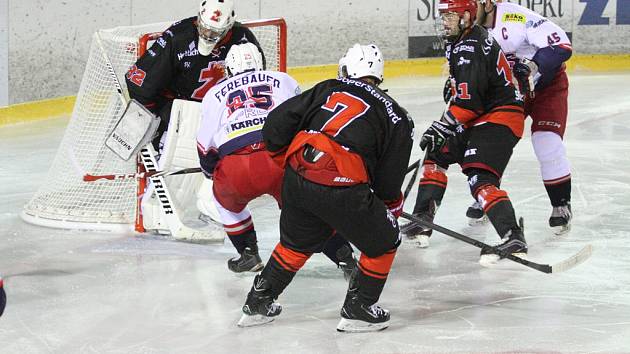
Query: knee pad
[(478, 178), (551, 154)]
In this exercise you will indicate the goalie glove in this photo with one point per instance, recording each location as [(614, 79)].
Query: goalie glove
[(435, 137), (524, 72)]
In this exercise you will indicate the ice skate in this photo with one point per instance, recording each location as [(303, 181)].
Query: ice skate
[(360, 317), (416, 233), (249, 261), (560, 220), (475, 215), (512, 242), (260, 306)]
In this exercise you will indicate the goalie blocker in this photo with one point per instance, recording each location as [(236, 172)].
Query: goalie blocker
[(135, 129)]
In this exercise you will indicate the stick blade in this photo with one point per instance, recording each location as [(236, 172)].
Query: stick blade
[(575, 260)]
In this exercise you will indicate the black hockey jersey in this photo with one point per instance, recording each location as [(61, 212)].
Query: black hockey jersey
[(173, 68), (481, 83), (357, 117)]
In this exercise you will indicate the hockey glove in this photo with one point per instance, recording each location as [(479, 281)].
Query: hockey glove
[(447, 93), (396, 206), (435, 137), (524, 72)]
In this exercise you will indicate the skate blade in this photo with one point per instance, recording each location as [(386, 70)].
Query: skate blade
[(357, 326), (253, 320), (422, 241), (489, 260), (255, 269), (561, 230), (478, 222)]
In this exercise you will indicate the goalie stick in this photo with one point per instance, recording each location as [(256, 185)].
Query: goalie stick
[(91, 178), (175, 225), (562, 266), (178, 229)]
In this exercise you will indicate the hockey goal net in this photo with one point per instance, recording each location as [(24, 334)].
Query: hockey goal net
[(65, 200)]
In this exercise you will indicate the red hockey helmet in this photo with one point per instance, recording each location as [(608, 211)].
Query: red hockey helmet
[(459, 6)]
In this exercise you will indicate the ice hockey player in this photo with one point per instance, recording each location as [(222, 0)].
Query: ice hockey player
[(231, 151), (187, 60), (3, 297), (346, 146), (478, 130), (537, 49), (184, 63)]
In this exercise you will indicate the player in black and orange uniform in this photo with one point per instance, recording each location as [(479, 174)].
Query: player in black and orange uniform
[(478, 130), (187, 60), (346, 145)]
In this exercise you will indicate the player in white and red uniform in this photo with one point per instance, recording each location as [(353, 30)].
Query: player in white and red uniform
[(537, 50), (232, 151)]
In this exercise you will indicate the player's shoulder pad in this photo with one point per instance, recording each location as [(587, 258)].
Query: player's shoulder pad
[(179, 30)]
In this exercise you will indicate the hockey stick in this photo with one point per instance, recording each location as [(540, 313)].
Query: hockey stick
[(562, 266), (412, 180), (414, 166), (91, 178), (175, 225)]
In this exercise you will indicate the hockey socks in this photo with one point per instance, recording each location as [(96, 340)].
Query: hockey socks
[(360, 313)]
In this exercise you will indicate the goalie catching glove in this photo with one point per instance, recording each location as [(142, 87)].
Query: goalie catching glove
[(435, 137)]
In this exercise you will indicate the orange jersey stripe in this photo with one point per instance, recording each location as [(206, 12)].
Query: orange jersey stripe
[(377, 267), (289, 259)]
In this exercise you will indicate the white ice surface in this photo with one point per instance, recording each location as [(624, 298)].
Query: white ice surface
[(73, 291)]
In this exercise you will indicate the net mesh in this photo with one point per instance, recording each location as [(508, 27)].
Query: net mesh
[(65, 197)]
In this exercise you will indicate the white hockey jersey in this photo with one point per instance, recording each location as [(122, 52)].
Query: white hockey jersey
[(234, 111), (521, 32)]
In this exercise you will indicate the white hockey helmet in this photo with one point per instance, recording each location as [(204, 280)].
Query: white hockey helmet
[(243, 57), (215, 19), (362, 61)]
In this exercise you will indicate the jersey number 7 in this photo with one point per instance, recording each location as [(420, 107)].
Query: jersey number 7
[(352, 107)]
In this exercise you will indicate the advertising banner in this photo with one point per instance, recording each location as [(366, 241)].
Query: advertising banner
[(422, 13)]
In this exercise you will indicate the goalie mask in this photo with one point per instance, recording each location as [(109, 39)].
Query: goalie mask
[(362, 61), (451, 23), (215, 19), (242, 58)]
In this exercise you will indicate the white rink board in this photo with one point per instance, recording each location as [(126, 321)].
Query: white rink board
[(75, 292), (56, 35)]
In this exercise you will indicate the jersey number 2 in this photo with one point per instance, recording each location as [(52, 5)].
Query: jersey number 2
[(352, 107)]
